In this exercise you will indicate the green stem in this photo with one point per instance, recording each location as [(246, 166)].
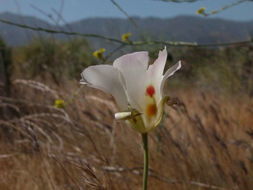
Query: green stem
[(145, 166)]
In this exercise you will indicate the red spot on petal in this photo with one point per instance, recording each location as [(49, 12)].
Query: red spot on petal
[(150, 90)]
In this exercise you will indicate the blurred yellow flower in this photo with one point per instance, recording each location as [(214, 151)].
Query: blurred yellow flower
[(59, 103), (201, 11), (99, 53), (125, 37)]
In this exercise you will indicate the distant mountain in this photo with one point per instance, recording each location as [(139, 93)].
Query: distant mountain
[(181, 28), (18, 36)]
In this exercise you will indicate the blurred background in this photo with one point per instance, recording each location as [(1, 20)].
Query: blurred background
[(57, 134)]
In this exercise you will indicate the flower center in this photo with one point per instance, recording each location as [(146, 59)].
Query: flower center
[(151, 108), (150, 91)]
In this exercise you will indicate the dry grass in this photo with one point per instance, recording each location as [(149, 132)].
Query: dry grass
[(204, 142)]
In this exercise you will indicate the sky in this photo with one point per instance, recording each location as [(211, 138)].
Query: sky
[(73, 10)]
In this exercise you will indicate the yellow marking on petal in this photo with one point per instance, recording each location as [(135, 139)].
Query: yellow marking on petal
[(151, 110)]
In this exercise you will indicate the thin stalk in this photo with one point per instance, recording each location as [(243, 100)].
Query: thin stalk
[(146, 159)]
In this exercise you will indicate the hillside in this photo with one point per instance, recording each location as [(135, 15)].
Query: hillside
[(181, 28)]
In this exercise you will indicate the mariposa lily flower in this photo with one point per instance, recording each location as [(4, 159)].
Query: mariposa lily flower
[(137, 87)]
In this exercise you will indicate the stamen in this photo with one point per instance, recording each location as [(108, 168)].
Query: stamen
[(150, 90)]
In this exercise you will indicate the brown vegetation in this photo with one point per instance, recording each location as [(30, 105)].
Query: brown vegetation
[(204, 142)]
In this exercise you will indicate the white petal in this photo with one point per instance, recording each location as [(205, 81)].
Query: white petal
[(156, 69), (172, 70), (134, 71), (168, 74), (137, 59), (106, 78), (155, 72)]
